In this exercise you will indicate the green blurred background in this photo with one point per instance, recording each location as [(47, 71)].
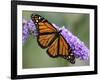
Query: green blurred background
[(33, 56)]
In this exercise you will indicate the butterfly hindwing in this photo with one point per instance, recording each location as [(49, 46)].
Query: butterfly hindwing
[(53, 49), (65, 50), (45, 40), (71, 58), (63, 47), (59, 47)]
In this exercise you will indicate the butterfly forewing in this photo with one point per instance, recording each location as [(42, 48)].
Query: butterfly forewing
[(43, 25), (46, 31)]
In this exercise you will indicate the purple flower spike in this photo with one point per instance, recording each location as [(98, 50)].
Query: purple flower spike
[(32, 27), (78, 47), (25, 31), (28, 26)]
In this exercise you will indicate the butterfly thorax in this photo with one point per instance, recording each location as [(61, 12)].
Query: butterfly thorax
[(58, 33)]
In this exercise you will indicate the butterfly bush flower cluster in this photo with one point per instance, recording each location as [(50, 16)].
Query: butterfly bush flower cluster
[(78, 47), (28, 27)]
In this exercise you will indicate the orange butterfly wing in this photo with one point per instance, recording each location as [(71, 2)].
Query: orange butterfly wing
[(46, 27), (46, 31), (45, 40), (53, 49), (61, 48), (65, 50), (43, 25)]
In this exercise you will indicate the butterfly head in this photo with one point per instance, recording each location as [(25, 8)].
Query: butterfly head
[(37, 18)]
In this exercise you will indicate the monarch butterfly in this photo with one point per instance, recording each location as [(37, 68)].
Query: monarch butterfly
[(52, 39)]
